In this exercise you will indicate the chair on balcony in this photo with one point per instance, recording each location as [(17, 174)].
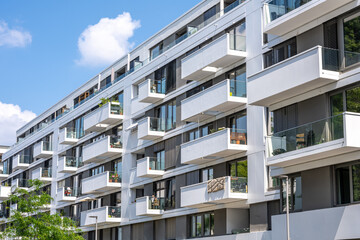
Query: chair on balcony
[(238, 138)]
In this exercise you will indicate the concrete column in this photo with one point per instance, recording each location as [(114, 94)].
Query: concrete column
[(222, 6)]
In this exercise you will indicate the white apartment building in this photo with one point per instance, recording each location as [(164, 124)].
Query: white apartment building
[(194, 134)]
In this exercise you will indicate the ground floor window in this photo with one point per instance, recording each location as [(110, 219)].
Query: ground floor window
[(202, 224), (294, 193), (348, 183)]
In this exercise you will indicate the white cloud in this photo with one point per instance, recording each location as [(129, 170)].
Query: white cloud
[(106, 41), (11, 119), (13, 37)]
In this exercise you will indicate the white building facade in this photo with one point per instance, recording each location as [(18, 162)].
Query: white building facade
[(194, 133)]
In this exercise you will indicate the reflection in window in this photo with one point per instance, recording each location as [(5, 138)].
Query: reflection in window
[(348, 177), (202, 225), (294, 193), (352, 40)]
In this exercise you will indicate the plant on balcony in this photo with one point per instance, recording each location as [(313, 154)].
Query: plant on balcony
[(114, 177), (28, 221), (278, 151)]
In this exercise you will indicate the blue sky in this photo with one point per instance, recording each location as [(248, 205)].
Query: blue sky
[(38, 75), (40, 55)]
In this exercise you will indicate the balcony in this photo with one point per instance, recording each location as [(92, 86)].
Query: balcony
[(67, 194), (101, 183), (43, 174), (149, 206), (220, 144), (105, 216), (21, 161), (69, 164), (19, 183), (215, 191), (151, 91), (103, 148), (43, 150), (299, 74), (68, 136), (109, 114), (4, 173), (214, 100), (284, 16), (151, 128), (211, 58), (5, 192), (150, 167), (315, 141)]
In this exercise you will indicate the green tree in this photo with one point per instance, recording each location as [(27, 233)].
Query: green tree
[(30, 221)]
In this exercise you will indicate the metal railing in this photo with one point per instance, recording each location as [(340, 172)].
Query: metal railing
[(24, 158), (74, 133), (306, 135)]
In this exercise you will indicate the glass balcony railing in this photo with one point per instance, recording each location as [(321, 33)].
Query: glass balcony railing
[(278, 8), (156, 163), (157, 124), (139, 64), (25, 159), (74, 133), (237, 42), (47, 146), (71, 192), (238, 88), (158, 86), (238, 184), (306, 135), (116, 142), (74, 162), (23, 183), (46, 172), (114, 212), (238, 136), (156, 203), (116, 109), (194, 29), (114, 177)]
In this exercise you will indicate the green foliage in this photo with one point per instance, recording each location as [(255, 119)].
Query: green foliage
[(30, 221), (107, 100)]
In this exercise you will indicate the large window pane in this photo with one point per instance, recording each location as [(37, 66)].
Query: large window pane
[(353, 100), (343, 185), (337, 104), (198, 226), (297, 192), (352, 40), (207, 224), (356, 182)]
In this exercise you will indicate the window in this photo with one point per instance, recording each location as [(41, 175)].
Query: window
[(200, 132), (167, 113), (352, 39), (117, 167), (347, 100), (207, 174), (295, 194), (274, 182), (165, 192), (199, 88), (97, 170), (237, 37), (166, 77), (209, 14), (79, 127), (238, 168), (156, 51), (105, 82), (202, 225), (280, 53), (238, 82), (159, 161), (347, 183)]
